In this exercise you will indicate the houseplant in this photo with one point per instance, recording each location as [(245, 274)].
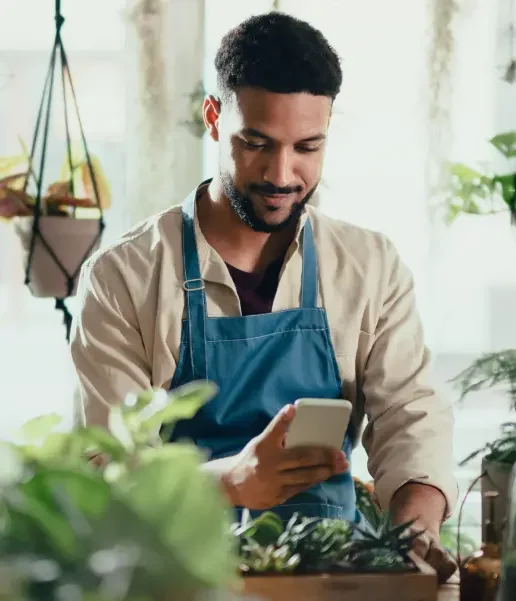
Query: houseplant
[(477, 191), (149, 525), (499, 456), (68, 220), (329, 559)]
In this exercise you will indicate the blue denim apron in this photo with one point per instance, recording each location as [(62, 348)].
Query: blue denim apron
[(260, 363)]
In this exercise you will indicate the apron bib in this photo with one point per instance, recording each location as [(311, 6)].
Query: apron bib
[(260, 363)]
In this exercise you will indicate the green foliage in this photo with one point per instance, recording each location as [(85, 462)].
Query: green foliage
[(448, 539), (367, 504), (474, 192), (314, 545), (488, 371), (150, 522)]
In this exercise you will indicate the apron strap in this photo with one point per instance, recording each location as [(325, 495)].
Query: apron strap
[(194, 286), (309, 278), (194, 293)]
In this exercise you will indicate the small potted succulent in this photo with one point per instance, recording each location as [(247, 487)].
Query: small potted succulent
[(329, 559)]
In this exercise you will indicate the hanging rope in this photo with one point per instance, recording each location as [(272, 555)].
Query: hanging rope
[(43, 116)]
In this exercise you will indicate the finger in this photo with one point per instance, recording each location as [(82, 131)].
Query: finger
[(287, 492), (306, 476), (274, 434), (303, 457), (441, 561), (421, 546)]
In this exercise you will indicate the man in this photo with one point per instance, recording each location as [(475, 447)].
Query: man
[(247, 285)]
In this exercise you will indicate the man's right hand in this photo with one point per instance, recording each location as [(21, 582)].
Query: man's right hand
[(265, 473)]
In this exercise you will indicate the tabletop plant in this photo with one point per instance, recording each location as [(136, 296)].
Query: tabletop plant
[(315, 545)]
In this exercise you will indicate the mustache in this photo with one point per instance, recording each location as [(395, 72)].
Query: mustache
[(270, 189)]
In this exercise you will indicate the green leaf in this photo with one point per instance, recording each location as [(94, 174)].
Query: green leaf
[(185, 503), (42, 528), (465, 174), (39, 427), (265, 529), (118, 428), (11, 466), (100, 440), (183, 403), (54, 446), (508, 190), (138, 402), (505, 143)]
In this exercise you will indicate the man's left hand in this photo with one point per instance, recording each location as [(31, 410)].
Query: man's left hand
[(428, 547), (426, 505)]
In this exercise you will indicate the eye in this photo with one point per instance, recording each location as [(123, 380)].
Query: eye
[(307, 148), (251, 146)]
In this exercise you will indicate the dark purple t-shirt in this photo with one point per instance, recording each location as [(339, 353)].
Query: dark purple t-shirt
[(257, 291)]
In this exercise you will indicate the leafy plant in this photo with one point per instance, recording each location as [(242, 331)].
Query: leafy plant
[(149, 523), (448, 539), (73, 191), (386, 548), (367, 503), (308, 545), (488, 371), (476, 192)]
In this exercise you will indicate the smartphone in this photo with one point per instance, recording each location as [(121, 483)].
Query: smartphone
[(319, 422)]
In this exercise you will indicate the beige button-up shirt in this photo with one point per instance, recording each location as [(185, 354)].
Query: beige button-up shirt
[(126, 335)]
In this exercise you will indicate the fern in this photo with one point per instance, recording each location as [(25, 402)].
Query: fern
[(488, 371)]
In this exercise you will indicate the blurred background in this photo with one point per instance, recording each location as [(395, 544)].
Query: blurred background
[(424, 82)]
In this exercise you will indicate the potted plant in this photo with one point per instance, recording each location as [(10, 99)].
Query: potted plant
[(329, 559), (477, 191), (69, 219), (498, 456), (149, 525)]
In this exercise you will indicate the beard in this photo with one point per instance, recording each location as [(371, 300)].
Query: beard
[(243, 206)]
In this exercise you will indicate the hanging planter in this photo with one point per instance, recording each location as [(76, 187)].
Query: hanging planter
[(59, 250), (59, 227)]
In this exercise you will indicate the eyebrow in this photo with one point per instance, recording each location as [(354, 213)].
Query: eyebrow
[(255, 133)]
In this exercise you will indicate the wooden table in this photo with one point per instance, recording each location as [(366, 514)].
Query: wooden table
[(450, 591)]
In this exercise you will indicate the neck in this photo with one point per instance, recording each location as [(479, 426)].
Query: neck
[(235, 241)]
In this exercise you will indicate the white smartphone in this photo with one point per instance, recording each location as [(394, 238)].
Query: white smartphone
[(319, 422)]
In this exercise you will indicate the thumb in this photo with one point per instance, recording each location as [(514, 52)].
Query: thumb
[(274, 433)]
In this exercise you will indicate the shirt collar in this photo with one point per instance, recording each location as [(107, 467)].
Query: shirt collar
[(211, 264)]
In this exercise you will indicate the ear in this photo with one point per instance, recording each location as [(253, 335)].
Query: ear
[(211, 114)]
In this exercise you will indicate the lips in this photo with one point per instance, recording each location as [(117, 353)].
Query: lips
[(275, 200)]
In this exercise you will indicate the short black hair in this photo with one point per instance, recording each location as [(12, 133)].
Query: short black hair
[(278, 53)]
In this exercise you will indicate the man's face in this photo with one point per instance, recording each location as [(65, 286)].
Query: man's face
[(271, 149)]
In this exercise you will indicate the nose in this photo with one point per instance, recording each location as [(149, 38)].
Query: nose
[(279, 168)]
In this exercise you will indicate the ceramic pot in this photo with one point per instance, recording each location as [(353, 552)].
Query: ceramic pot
[(71, 240), (497, 478)]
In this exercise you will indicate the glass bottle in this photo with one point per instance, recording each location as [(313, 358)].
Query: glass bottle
[(480, 572), (508, 583)]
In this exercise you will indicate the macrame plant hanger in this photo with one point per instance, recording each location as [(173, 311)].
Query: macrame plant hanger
[(43, 116)]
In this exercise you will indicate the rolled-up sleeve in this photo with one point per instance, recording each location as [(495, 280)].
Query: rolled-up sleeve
[(106, 344), (409, 435)]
